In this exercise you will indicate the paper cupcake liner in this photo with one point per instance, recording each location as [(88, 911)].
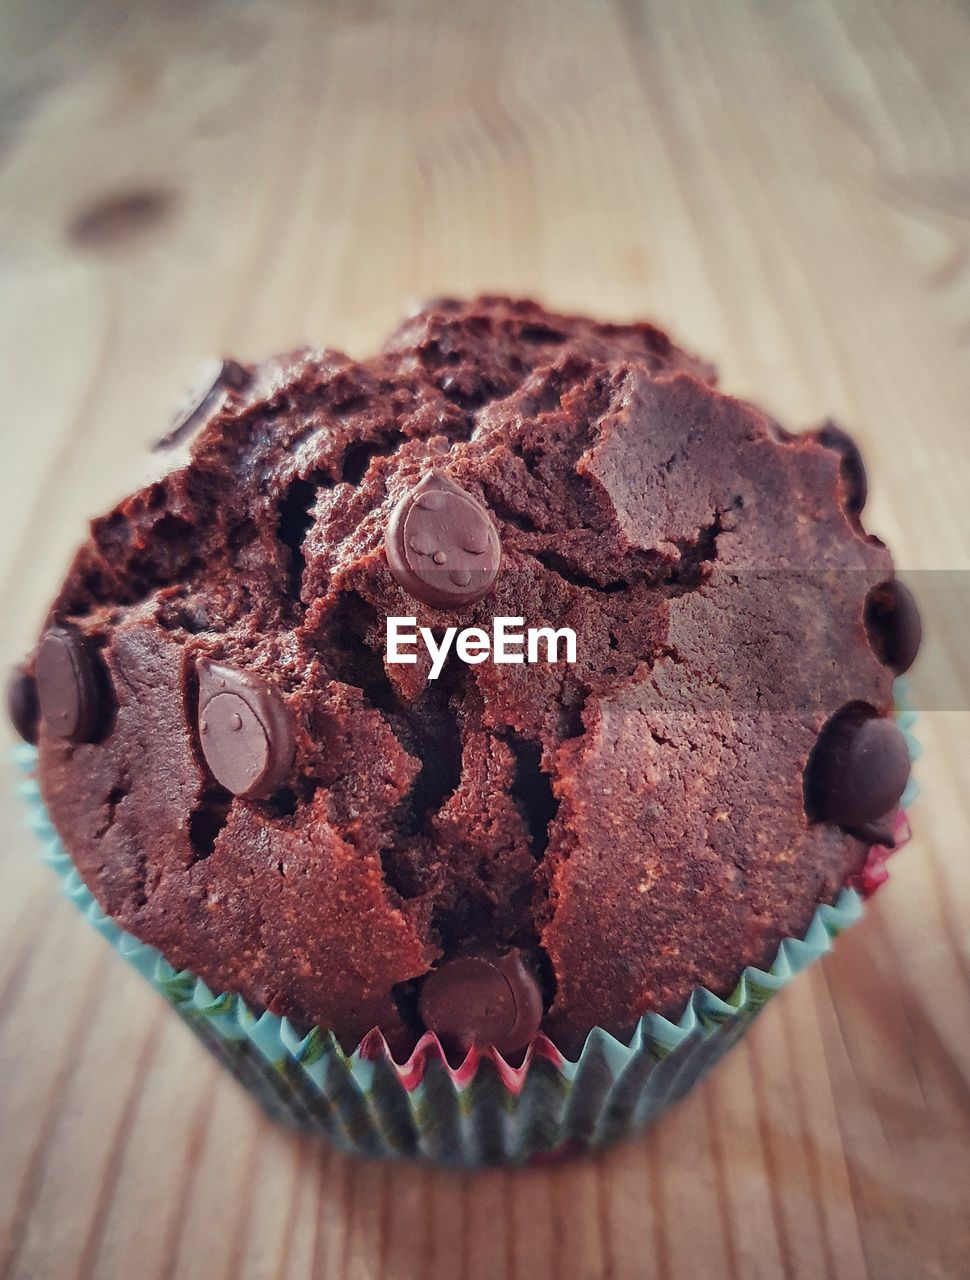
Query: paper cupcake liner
[(485, 1111)]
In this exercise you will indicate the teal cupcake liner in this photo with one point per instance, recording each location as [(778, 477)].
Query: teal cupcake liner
[(485, 1111)]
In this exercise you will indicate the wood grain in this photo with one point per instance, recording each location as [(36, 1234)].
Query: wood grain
[(787, 186)]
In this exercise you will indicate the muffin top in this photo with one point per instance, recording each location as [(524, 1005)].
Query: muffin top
[(246, 781)]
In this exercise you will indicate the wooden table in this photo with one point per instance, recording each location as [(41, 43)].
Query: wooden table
[(787, 185)]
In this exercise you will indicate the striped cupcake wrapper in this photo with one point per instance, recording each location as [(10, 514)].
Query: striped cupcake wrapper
[(485, 1111)]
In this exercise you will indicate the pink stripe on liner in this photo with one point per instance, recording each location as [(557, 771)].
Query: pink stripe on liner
[(875, 872), (428, 1049)]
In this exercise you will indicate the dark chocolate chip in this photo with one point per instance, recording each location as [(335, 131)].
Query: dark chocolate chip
[(213, 378), (858, 768), (441, 545), (482, 999), (893, 625), (855, 483), (22, 703), (69, 685), (245, 729), (881, 831)]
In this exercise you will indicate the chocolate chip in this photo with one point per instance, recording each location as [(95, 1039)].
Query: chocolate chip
[(441, 544), (213, 378), (482, 999), (245, 729), (893, 625), (69, 685), (881, 831), (855, 484), (22, 703), (858, 768)]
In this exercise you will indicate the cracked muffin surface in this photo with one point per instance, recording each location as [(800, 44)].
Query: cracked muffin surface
[(634, 824)]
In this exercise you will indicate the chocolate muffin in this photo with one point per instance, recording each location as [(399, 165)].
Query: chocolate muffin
[(484, 848)]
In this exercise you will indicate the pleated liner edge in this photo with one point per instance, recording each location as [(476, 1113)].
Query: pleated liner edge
[(485, 1111)]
